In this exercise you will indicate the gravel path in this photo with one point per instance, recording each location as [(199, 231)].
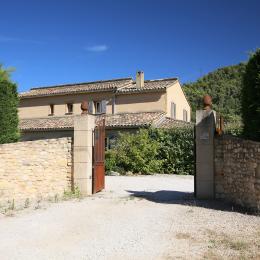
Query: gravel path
[(146, 217)]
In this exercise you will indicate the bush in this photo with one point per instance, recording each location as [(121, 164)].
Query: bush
[(8, 112), (251, 98), (234, 128), (134, 152), (153, 151), (176, 149)]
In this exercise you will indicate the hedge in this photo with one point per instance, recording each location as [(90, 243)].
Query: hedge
[(8, 112), (153, 150)]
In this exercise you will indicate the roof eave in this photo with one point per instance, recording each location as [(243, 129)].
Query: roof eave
[(46, 129), (140, 91), (65, 94)]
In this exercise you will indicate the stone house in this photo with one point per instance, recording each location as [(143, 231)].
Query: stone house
[(126, 104)]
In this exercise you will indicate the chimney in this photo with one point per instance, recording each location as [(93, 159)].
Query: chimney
[(139, 79)]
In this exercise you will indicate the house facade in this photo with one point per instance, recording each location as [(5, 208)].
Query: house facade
[(126, 103)]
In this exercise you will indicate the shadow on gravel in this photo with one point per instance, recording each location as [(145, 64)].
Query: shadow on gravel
[(186, 198)]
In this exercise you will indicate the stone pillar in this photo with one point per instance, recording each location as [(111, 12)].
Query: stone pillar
[(82, 157), (205, 130)]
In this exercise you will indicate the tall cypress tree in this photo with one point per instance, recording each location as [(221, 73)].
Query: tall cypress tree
[(8, 112), (251, 97)]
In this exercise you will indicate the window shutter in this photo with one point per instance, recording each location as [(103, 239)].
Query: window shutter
[(173, 110), (103, 106), (185, 115), (113, 105), (90, 107)]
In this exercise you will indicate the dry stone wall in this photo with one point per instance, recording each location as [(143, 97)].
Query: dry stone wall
[(34, 170), (237, 171)]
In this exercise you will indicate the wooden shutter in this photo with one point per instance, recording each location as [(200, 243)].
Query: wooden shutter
[(90, 107), (173, 110), (113, 105), (185, 115), (103, 106)]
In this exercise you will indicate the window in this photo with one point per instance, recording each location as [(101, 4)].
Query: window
[(173, 110), (110, 142), (185, 115), (100, 107), (97, 106), (51, 110), (69, 108)]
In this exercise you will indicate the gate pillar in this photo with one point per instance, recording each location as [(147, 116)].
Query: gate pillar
[(82, 154), (204, 138)]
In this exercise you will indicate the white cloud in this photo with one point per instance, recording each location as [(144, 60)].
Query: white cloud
[(97, 48), (4, 38)]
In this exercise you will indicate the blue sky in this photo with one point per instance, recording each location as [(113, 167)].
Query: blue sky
[(65, 41)]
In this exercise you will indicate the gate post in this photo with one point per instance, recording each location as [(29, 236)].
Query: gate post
[(82, 158), (205, 130)]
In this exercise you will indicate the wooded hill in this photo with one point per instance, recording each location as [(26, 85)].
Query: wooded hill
[(224, 85)]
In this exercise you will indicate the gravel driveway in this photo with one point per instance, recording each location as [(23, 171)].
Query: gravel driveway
[(145, 217)]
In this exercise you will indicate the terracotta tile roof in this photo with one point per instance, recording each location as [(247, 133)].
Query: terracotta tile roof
[(47, 123), (77, 88), (119, 86), (149, 85), (67, 122), (132, 119), (167, 122)]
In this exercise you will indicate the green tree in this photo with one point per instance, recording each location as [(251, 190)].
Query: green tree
[(5, 73), (251, 97), (8, 108), (224, 85)]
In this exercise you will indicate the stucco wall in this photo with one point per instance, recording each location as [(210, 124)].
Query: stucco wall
[(237, 171), (39, 107), (141, 102), (175, 94), (34, 170), (124, 103)]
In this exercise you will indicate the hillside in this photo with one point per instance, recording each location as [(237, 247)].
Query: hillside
[(224, 85)]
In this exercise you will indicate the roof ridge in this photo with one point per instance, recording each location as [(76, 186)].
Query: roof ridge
[(82, 83), (145, 112), (163, 79), (159, 120), (48, 117), (177, 120)]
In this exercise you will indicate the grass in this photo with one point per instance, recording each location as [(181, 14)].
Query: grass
[(183, 235), (9, 208), (229, 246), (69, 194), (226, 241)]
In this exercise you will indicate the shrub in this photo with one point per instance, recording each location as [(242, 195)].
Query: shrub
[(8, 112), (134, 152), (234, 128), (251, 98), (153, 151), (176, 149)]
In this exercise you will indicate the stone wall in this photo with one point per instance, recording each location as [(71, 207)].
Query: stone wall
[(237, 171), (39, 135), (34, 170)]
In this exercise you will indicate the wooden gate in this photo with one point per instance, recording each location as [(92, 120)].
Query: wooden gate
[(98, 174)]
